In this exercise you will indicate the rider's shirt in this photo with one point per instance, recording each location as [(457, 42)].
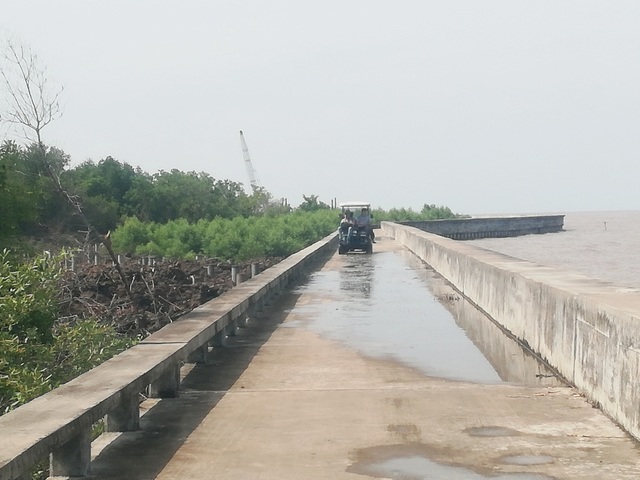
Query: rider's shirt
[(363, 220)]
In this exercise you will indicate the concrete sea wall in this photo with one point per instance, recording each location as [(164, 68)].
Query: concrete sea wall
[(471, 228), (586, 329)]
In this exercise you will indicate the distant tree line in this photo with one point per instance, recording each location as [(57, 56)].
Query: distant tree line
[(112, 194), (428, 212), (108, 192)]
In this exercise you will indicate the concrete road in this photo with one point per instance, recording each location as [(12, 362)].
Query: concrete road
[(289, 400)]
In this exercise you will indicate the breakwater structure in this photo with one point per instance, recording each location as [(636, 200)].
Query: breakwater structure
[(490, 227), (587, 330)]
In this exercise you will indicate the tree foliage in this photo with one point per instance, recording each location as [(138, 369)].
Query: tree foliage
[(18, 195), (428, 212), (37, 352), (107, 192), (111, 191), (26, 197), (311, 204), (238, 238)]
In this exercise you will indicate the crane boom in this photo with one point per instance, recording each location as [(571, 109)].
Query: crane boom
[(253, 180)]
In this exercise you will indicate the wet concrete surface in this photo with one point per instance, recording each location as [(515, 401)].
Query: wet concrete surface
[(371, 369), (391, 305), (417, 467)]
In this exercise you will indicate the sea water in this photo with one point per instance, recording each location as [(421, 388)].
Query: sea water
[(601, 245)]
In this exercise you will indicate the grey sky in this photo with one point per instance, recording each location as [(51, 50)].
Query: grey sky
[(484, 106)]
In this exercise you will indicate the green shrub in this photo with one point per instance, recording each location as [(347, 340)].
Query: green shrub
[(244, 238), (36, 352), (428, 212), (131, 234), (237, 239), (82, 345)]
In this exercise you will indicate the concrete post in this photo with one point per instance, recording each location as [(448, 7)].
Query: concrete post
[(255, 269), (252, 313), (234, 272), (73, 459), (125, 417), (232, 328), (219, 339), (168, 385), (200, 355), (244, 320)]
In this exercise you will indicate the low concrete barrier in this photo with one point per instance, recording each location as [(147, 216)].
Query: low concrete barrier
[(491, 227), (588, 330), (59, 423)]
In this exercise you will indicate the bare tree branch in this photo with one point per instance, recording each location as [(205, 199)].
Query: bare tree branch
[(32, 102), (32, 105)]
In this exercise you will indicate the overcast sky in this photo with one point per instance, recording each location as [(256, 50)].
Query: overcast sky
[(483, 106)]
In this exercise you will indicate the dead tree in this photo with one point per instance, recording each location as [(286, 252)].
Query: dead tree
[(32, 104)]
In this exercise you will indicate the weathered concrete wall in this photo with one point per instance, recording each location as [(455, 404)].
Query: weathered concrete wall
[(586, 329), (468, 228)]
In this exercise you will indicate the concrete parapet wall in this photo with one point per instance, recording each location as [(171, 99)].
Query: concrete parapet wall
[(588, 330), (471, 228)]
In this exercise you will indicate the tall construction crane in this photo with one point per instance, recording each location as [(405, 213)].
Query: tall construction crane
[(253, 179)]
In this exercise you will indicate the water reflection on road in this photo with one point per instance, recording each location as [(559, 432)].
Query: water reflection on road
[(389, 305)]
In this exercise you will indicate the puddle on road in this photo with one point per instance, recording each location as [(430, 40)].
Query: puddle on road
[(527, 459), (491, 431), (390, 305), (386, 462), (421, 468)]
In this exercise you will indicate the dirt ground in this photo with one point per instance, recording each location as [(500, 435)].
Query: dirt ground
[(159, 293)]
